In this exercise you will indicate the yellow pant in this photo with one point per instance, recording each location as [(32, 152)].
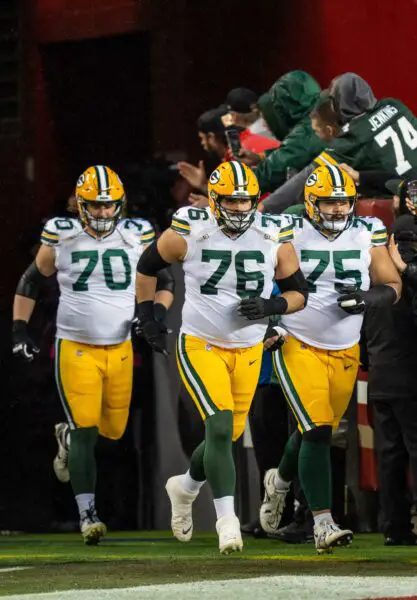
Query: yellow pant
[(95, 385), (219, 378), (318, 383)]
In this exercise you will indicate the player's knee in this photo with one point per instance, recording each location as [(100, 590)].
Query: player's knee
[(86, 420), (296, 439), (319, 435), (84, 436), (112, 433), (219, 427), (238, 429)]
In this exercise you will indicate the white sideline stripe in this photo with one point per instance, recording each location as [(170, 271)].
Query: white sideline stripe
[(10, 569), (284, 587)]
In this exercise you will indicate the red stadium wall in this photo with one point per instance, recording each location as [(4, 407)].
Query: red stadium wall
[(374, 38)]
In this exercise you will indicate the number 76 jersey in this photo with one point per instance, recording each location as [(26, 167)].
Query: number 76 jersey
[(331, 267), (220, 271), (96, 279)]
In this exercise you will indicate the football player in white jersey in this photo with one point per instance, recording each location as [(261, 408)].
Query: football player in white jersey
[(230, 255), (95, 258), (341, 256)]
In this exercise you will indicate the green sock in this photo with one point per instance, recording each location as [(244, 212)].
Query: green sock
[(82, 461), (315, 474), (289, 462), (197, 463), (219, 465)]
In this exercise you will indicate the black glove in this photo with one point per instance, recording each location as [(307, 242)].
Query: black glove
[(354, 301), (258, 308), (155, 333), (23, 346), (272, 332), (148, 323)]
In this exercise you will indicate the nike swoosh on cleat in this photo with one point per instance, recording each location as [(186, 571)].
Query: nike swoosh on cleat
[(348, 367), (185, 531), (124, 357), (252, 361)]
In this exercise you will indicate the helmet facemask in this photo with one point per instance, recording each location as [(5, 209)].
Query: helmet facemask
[(100, 225), (335, 223), (235, 222)]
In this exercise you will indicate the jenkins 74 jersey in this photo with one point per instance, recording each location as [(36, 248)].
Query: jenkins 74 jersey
[(384, 138), (96, 278), (220, 271), (331, 267)]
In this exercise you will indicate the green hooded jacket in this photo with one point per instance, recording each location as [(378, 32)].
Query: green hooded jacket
[(286, 108)]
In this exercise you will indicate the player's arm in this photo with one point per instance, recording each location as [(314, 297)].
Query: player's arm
[(386, 281), (291, 282), (25, 299), (169, 248), (386, 285)]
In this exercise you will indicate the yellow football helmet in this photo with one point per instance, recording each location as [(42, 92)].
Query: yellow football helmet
[(329, 182), (101, 186), (233, 181)]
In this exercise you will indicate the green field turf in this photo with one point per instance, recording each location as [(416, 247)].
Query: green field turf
[(62, 562)]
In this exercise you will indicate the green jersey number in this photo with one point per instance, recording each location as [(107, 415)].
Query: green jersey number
[(323, 258), (196, 214), (409, 138), (92, 256), (225, 258)]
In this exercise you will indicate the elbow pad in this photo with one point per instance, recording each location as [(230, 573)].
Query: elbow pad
[(165, 281), (294, 283), (30, 282), (151, 261)]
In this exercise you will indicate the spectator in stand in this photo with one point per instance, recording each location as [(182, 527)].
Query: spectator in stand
[(243, 109), (211, 132), (389, 340), (374, 135), (213, 126), (286, 109)]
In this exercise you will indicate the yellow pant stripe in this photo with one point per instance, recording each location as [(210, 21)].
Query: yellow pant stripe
[(60, 387), (293, 399), (191, 377)]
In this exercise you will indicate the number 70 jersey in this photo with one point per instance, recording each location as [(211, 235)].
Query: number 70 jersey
[(331, 267), (96, 279), (220, 271)]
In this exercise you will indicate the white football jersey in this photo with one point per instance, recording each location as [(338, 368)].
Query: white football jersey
[(330, 267), (220, 271), (96, 280)]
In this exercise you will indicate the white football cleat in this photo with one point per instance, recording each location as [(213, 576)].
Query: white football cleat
[(273, 503), (181, 508), (230, 538), (92, 529), (61, 459), (328, 534)]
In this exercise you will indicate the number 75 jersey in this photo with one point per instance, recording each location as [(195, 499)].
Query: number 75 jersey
[(331, 267), (220, 271), (96, 279)]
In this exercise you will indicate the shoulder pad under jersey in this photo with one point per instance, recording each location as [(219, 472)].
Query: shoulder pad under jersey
[(58, 229), (280, 226), (188, 220), (140, 227), (375, 227)]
